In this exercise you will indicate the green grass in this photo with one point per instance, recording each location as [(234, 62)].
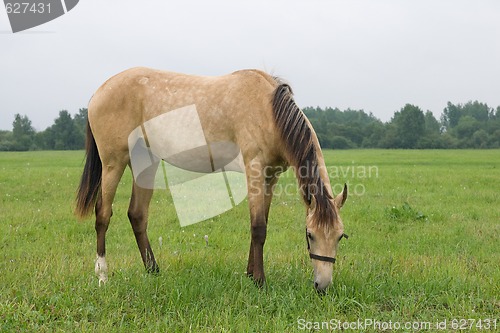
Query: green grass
[(423, 246)]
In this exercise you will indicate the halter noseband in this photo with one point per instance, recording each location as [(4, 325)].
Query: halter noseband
[(321, 258)]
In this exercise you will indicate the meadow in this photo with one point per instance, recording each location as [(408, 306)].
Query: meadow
[(423, 250)]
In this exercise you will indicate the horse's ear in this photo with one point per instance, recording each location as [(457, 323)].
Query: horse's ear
[(341, 198)]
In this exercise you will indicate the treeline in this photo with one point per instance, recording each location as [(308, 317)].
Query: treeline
[(67, 133), (470, 125)]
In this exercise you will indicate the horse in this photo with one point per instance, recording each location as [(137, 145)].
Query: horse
[(248, 108)]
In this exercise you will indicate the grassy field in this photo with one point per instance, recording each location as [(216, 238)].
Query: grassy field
[(423, 248)]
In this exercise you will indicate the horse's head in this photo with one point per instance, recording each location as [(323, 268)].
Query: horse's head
[(323, 240)]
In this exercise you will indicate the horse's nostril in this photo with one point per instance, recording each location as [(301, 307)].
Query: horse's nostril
[(316, 285)]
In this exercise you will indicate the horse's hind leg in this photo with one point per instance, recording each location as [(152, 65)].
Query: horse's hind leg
[(103, 210), (138, 216)]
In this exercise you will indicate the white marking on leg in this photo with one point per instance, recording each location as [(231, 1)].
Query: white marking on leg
[(101, 269)]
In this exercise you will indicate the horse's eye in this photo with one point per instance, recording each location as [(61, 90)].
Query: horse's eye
[(310, 236)]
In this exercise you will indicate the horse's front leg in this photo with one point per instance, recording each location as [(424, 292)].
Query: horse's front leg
[(255, 267), (259, 200)]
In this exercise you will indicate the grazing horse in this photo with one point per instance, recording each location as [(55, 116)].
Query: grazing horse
[(248, 108)]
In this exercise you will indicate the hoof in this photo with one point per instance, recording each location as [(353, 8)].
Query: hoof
[(155, 269), (102, 280), (259, 282), (320, 292)]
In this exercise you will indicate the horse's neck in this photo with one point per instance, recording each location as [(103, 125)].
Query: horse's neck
[(323, 171)]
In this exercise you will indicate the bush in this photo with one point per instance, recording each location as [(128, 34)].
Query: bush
[(339, 142)]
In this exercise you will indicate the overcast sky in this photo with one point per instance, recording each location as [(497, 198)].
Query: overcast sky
[(371, 55)]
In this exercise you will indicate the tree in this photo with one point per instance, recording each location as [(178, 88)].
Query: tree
[(432, 126), (451, 115), (480, 111), (374, 134), (432, 138), (80, 121), (64, 133), (6, 140), (345, 129), (22, 133), (469, 125), (466, 127), (340, 142), (45, 139), (480, 139), (410, 125)]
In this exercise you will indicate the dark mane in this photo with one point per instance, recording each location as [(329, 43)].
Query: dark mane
[(299, 143)]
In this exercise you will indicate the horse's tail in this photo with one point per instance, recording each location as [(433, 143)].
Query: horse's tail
[(88, 191)]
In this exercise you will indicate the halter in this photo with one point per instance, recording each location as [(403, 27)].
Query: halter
[(321, 258)]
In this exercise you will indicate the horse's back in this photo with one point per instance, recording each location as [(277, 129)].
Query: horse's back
[(230, 107)]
